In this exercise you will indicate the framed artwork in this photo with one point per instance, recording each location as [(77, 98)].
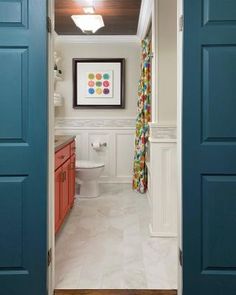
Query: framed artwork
[(98, 83)]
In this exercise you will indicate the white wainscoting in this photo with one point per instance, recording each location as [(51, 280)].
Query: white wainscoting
[(162, 185), (117, 133)]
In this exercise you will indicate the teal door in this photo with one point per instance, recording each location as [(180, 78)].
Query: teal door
[(209, 147), (23, 147)]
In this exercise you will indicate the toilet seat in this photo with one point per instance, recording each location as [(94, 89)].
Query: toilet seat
[(88, 165)]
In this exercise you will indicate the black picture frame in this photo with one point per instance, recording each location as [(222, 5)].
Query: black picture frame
[(75, 62)]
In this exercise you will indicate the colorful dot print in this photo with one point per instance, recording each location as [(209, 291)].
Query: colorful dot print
[(91, 91), (106, 76), (99, 91), (106, 91), (99, 84), (98, 76), (91, 83), (91, 76), (106, 84)]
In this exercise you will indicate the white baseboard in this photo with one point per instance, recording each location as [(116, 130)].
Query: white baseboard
[(161, 234)]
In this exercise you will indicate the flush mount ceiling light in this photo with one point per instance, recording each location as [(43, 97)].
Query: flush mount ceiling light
[(88, 23), (89, 10)]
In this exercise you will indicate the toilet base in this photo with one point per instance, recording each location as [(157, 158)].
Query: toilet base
[(89, 189)]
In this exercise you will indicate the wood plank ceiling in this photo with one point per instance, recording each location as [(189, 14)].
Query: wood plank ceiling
[(120, 16)]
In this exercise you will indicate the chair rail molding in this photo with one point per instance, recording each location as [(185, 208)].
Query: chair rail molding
[(163, 131), (95, 123), (162, 187)]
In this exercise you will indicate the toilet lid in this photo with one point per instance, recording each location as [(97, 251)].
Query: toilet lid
[(88, 164)]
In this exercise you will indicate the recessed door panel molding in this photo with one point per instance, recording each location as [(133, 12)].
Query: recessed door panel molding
[(14, 94), (219, 12), (12, 230), (14, 13), (217, 100), (218, 223)]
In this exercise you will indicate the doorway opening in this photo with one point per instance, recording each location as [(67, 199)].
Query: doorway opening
[(122, 239)]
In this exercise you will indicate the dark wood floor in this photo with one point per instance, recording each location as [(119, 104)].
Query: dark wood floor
[(115, 292)]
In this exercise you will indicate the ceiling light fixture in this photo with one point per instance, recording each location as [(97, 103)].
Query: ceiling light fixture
[(89, 10), (88, 23)]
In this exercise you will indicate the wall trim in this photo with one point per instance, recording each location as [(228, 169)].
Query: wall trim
[(95, 123), (162, 234), (144, 18), (163, 132), (96, 39)]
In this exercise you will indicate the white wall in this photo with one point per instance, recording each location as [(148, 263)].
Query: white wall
[(167, 61), (129, 51)]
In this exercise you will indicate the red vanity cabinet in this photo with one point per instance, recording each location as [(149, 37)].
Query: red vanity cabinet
[(64, 182)]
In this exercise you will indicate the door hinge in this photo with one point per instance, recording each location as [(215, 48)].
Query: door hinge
[(181, 23), (49, 256), (49, 24), (180, 257)]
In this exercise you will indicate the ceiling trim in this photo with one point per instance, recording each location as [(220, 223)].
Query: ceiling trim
[(97, 39), (144, 18)]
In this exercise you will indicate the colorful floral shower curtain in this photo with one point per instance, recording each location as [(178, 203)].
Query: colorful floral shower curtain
[(143, 118)]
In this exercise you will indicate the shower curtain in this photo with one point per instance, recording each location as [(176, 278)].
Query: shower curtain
[(143, 118)]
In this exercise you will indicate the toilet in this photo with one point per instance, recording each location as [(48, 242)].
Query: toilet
[(87, 175)]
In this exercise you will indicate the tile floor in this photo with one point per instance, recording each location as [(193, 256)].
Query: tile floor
[(105, 244)]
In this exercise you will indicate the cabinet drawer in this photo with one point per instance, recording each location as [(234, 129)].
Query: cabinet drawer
[(72, 148), (61, 156)]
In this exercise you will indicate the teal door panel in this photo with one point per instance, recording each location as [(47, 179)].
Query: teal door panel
[(23, 147), (209, 147)]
